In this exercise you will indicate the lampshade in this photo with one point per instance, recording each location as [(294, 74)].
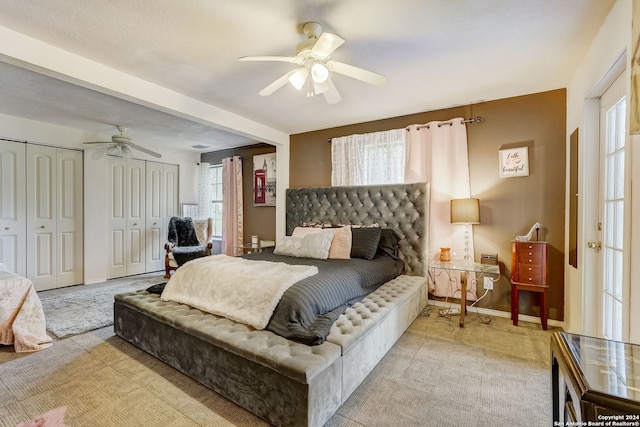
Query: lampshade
[(319, 73), (465, 211)]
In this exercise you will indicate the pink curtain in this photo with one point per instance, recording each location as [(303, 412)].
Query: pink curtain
[(437, 153), (232, 207)]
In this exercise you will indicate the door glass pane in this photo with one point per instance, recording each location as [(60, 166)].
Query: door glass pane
[(613, 221)]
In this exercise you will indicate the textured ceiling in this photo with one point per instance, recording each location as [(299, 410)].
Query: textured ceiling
[(435, 54)]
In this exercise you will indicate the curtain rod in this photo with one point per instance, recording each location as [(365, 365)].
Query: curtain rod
[(450, 122)]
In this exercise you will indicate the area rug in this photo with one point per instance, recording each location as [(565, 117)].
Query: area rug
[(88, 308)]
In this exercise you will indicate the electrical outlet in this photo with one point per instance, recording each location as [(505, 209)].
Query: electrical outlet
[(488, 283)]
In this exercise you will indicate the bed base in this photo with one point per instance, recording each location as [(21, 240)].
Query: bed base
[(283, 382)]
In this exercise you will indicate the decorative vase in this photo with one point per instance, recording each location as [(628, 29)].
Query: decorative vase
[(445, 254)]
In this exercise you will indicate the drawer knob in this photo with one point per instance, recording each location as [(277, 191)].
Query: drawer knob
[(530, 278)]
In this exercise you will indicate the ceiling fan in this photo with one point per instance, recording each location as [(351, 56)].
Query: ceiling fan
[(121, 145), (313, 57)]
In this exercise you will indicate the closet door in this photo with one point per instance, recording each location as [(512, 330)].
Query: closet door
[(69, 217), (126, 217), (156, 235), (117, 253), (41, 216), (171, 206), (13, 224), (136, 217)]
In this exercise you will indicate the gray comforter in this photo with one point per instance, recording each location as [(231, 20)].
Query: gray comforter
[(308, 309)]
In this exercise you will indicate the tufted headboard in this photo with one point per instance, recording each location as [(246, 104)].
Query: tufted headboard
[(402, 207)]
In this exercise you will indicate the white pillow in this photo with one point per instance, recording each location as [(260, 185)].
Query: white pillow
[(340, 245), (314, 245), (305, 231)]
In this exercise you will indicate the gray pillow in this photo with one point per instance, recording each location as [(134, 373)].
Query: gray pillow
[(364, 242)]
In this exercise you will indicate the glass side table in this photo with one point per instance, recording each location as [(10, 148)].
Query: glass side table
[(248, 248), (465, 267)]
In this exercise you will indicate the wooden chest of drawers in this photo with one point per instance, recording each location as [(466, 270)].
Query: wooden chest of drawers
[(529, 273)]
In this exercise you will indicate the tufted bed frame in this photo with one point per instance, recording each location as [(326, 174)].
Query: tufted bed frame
[(281, 381)]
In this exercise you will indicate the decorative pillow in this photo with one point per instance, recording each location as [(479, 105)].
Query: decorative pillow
[(305, 231), (201, 226), (364, 242), (341, 244), (388, 242), (314, 245)]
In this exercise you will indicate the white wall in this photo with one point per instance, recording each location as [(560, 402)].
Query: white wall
[(589, 81), (95, 182)]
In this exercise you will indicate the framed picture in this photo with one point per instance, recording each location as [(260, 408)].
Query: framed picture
[(514, 162), (264, 179), (189, 209)]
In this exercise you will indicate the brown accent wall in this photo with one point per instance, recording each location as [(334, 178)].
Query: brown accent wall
[(509, 206), (260, 221)]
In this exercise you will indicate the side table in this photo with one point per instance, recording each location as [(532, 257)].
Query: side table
[(464, 267), (248, 248)]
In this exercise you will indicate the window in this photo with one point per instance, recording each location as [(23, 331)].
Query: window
[(215, 176), (373, 158)]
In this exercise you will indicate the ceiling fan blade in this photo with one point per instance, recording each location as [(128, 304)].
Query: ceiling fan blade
[(332, 96), (357, 73), (291, 59), (276, 84), (97, 142), (326, 44), (144, 150)]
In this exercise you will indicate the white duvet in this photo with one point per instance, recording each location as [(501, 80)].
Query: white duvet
[(242, 290)]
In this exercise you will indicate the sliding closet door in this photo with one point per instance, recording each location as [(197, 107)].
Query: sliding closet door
[(13, 224)]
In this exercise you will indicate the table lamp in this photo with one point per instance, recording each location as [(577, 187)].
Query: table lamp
[(467, 212)]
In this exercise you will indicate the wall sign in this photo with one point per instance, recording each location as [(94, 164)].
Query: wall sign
[(514, 162)]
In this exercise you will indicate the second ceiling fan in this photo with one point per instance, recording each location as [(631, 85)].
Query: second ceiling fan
[(313, 57)]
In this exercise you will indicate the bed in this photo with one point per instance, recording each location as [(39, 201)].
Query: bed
[(301, 380)]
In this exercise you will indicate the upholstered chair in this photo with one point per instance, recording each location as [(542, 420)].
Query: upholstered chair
[(187, 239)]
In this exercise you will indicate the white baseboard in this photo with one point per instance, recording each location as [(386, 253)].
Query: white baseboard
[(496, 313)]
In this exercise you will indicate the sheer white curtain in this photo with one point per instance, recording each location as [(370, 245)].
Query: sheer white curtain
[(205, 191), (232, 207), (366, 159), (437, 153)]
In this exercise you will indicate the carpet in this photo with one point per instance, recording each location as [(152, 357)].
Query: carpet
[(87, 308)]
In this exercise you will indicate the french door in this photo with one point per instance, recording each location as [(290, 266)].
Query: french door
[(613, 286)]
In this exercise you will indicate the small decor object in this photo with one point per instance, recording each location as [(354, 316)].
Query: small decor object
[(514, 162), (264, 180), (489, 259), (254, 241), (445, 254), (528, 236)]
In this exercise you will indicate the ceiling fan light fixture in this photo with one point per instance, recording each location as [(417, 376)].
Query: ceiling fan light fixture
[(298, 78), (114, 151), (319, 73), (126, 152)]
